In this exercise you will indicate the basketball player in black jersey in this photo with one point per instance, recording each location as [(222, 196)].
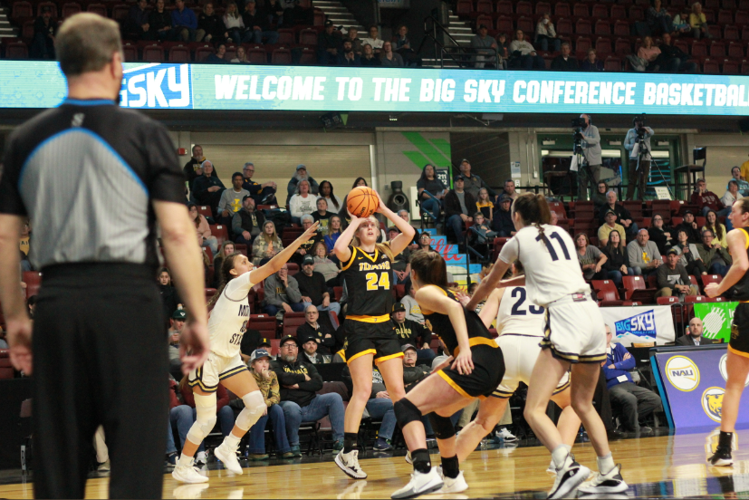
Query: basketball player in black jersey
[(370, 335), (736, 284), (474, 370)]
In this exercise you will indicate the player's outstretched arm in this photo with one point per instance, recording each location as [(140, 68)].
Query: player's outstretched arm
[(400, 242), (432, 299), (340, 248), (185, 262), (737, 248), (282, 257), (16, 318), (489, 312), (488, 284)]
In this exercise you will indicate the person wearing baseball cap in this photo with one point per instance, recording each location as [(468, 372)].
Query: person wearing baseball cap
[(474, 183), (267, 381), (411, 333), (176, 323), (610, 224), (300, 402), (488, 56), (673, 278), (247, 222), (459, 207)]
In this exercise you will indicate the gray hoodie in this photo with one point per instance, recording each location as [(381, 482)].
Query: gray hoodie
[(276, 293)]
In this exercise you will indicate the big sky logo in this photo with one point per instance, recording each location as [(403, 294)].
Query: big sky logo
[(642, 325), (156, 86)]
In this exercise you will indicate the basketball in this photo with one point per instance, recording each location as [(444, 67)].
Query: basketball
[(362, 201)]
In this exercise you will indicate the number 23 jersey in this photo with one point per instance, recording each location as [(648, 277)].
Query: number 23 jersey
[(367, 277), (519, 315), (552, 269), (229, 317)]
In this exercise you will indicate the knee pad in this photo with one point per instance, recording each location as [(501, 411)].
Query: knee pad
[(442, 426), (406, 412), (254, 406), (205, 409)]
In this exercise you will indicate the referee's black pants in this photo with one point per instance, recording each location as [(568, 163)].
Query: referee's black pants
[(100, 357)]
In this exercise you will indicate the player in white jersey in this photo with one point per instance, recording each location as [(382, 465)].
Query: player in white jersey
[(226, 325), (521, 325), (575, 336)]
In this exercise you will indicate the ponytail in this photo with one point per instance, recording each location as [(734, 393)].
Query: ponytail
[(534, 210), (225, 277)]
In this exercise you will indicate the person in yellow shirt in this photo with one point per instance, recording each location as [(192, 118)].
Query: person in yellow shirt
[(608, 226), (24, 240), (745, 170), (698, 22)]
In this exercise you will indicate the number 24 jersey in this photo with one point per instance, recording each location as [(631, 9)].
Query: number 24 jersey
[(367, 277)]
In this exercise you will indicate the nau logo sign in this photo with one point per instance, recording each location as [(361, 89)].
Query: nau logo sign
[(683, 373), (156, 86), (724, 371), (642, 325), (712, 402)]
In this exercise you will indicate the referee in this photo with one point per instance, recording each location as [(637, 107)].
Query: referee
[(94, 179)]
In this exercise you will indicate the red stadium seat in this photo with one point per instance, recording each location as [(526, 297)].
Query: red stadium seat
[(21, 10), (485, 6), (220, 232), (504, 25), (735, 51), (602, 28), (120, 12), (153, 53), (130, 51), (526, 24), (504, 7), (543, 8), (583, 44), (612, 63), (603, 47), (16, 50), (179, 53), (70, 9), (281, 56), (580, 10), (742, 17), (635, 289), (621, 28), (564, 26), (319, 18), (257, 56), (524, 8), (622, 47), (464, 7), (725, 17), (636, 13), (308, 57), (286, 36), (562, 9), (619, 12), (308, 37), (718, 50), (97, 8), (711, 67), (730, 67), (583, 27)]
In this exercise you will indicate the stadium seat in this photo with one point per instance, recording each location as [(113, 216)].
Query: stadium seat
[(70, 9), (612, 63), (257, 56), (220, 232), (730, 67), (717, 50), (281, 56), (97, 8), (562, 9), (464, 7), (33, 280), (504, 7), (543, 8), (580, 10), (602, 27), (603, 47), (618, 11), (583, 27), (745, 34), (699, 50), (308, 57), (600, 11), (710, 67), (689, 299), (735, 51), (725, 16), (286, 36), (663, 301), (319, 17), (21, 10), (153, 53), (293, 268), (179, 53), (120, 12), (504, 25), (728, 4), (622, 47), (526, 24), (485, 6), (308, 37), (682, 44), (636, 13), (130, 51), (203, 51), (709, 278), (609, 298), (524, 8), (16, 50), (742, 17), (583, 44), (621, 28), (635, 289), (564, 26)]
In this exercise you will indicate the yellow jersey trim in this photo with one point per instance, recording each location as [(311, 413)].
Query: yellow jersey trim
[(370, 319), (738, 353), (351, 260), (360, 354), (477, 341), (389, 357), (455, 386)]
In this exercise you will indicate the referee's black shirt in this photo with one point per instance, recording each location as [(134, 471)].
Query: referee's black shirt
[(86, 174)]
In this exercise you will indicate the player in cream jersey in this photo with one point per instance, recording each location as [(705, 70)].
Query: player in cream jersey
[(574, 336), (521, 324), (226, 326)]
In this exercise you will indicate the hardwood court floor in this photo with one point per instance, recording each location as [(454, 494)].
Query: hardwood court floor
[(665, 466)]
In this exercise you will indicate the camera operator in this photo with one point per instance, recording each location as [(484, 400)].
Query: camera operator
[(638, 135), (590, 142)]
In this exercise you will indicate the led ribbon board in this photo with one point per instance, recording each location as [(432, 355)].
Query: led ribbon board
[(25, 84)]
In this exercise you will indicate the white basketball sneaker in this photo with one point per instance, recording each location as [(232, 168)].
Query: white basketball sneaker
[(349, 463), (611, 482), (188, 474), (229, 458), (456, 485), (420, 484)]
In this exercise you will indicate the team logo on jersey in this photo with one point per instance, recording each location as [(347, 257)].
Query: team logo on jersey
[(712, 402), (641, 325), (683, 373), (244, 310)]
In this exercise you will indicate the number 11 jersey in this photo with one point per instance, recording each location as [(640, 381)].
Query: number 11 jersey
[(367, 277), (552, 269)]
